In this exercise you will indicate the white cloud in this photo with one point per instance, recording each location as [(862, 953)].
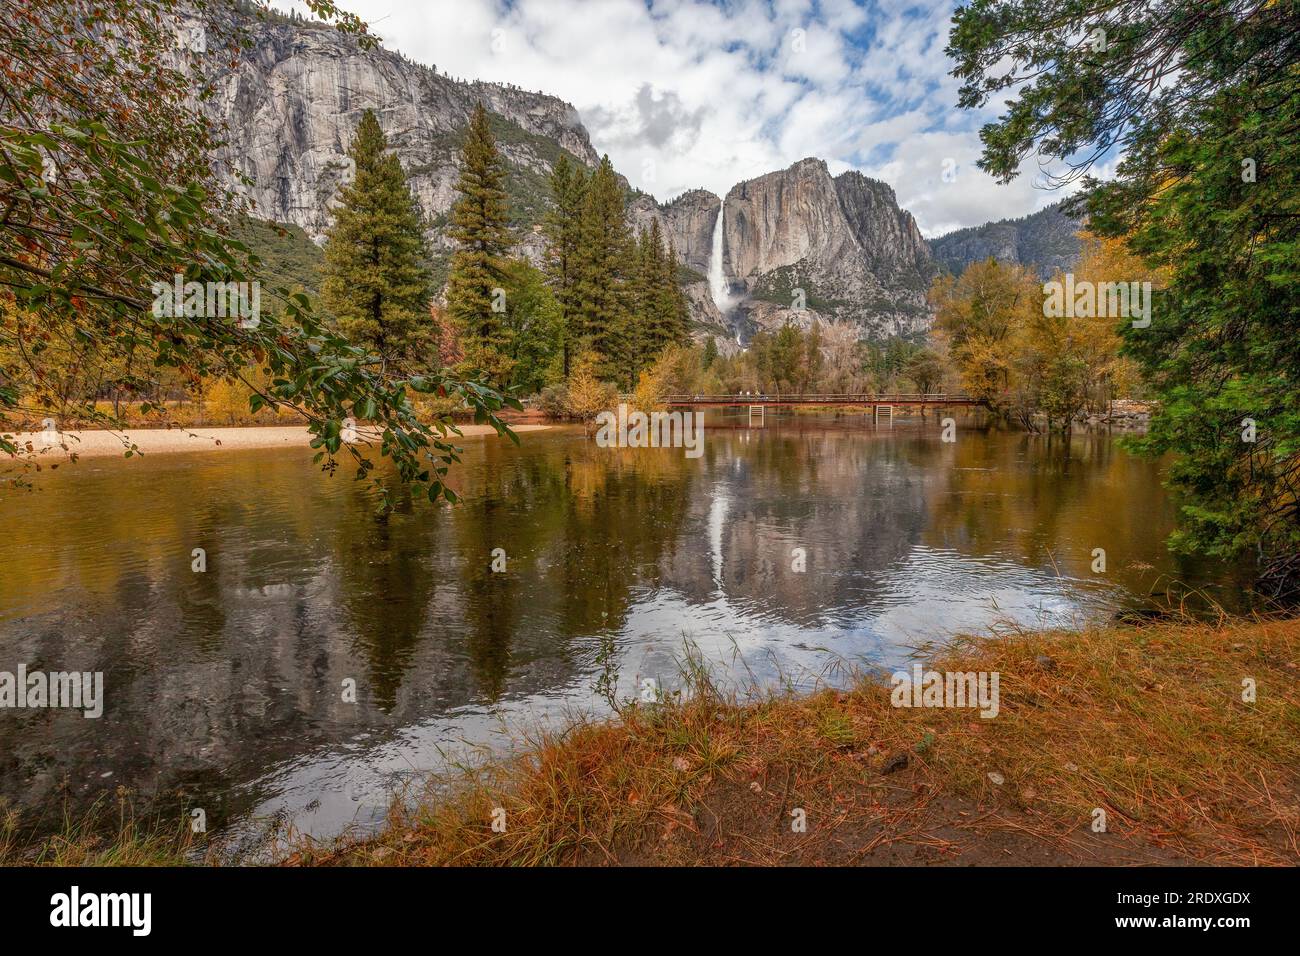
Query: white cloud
[(683, 93)]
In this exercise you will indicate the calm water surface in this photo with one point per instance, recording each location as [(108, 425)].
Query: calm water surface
[(224, 689)]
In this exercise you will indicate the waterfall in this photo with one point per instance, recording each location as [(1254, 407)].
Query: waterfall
[(717, 281)]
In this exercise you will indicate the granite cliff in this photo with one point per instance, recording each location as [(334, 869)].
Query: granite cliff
[(294, 101)]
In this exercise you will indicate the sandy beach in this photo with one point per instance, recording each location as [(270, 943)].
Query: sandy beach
[(95, 443)]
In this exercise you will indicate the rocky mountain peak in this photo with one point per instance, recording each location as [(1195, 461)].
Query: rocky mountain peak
[(888, 235), (800, 246)]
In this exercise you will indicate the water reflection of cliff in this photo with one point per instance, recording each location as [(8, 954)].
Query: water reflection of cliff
[(870, 505), (855, 504)]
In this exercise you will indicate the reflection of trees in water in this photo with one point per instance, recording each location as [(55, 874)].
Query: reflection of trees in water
[(581, 525), (1048, 501), (1025, 497), (384, 588), (498, 513)]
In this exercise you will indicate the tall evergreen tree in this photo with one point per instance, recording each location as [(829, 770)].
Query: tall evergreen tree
[(604, 260), (376, 278), (532, 326), (642, 293), (562, 228), (480, 226), (667, 318), (710, 353), (680, 327)]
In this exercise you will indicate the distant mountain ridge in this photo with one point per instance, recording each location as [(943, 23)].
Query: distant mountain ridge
[(1046, 240)]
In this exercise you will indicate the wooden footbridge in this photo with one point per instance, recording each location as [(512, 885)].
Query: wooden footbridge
[(759, 402), (744, 399)]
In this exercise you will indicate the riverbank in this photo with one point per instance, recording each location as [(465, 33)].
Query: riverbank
[(96, 443), (1112, 746)]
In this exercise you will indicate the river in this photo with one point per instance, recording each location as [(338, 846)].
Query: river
[(792, 553)]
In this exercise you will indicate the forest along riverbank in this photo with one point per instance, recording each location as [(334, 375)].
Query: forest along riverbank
[(94, 443), (1170, 743)]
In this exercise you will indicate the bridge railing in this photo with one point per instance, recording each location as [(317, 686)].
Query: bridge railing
[(837, 398)]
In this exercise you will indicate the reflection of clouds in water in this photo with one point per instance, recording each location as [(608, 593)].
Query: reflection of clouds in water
[(337, 786), (935, 595), (265, 591), (931, 596)]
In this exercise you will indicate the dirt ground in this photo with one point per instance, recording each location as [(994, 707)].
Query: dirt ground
[(161, 441)]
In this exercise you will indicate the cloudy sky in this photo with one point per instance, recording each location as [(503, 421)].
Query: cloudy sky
[(688, 93)]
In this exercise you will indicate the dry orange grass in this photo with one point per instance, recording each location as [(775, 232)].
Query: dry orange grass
[(1147, 724)]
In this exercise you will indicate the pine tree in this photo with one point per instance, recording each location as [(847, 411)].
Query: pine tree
[(659, 307), (376, 279), (604, 257), (531, 326), (562, 227), (681, 313), (642, 294), (480, 226), (667, 311), (710, 353)]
